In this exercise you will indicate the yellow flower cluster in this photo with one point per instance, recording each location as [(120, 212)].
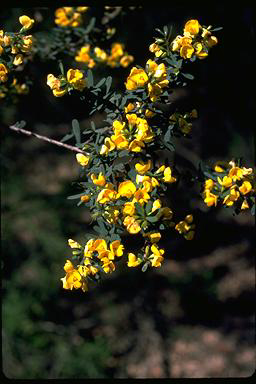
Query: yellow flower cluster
[(154, 77), (96, 257), (152, 254), (139, 106), (186, 228), (233, 184), (117, 56), (196, 41), (61, 85), (69, 16), (14, 88), (131, 193), (16, 45), (183, 121), (131, 134)]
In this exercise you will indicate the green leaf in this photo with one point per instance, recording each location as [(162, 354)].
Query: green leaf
[(187, 76), (100, 83), (89, 79), (216, 29), (20, 124), (108, 83), (76, 131), (90, 26), (149, 207), (152, 219), (75, 196), (67, 137), (61, 68), (139, 209), (145, 266), (169, 146)]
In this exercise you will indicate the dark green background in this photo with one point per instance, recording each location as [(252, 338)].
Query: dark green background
[(194, 317)]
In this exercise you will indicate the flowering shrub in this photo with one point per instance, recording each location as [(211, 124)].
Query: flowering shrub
[(124, 179)]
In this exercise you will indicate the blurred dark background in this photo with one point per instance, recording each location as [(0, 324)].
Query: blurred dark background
[(194, 316)]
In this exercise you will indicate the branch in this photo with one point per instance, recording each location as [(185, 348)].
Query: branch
[(59, 143)]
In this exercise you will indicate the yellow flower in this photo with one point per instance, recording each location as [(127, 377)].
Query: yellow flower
[(131, 225), (168, 178), (199, 51), (116, 248), (142, 168), (82, 9), (75, 77), (154, 237), (18, 59), (244, 205), (156, 205), (26, 22), (245, 188), (59, 92), (186, 51), (182, 227), (120, 141), (82, 159), (68, 267), (136, 145), (129, 208), (156, 257), (160, 169), (72, 280), (85, 198), (100, 54), (211, 41), (83, 54), (209, 184), (3, 73), (225, 182), (232, 197), (218, 168), (126, 189), (99, 245), (137, 78), (73, 244), (141, 196), (53, 82), (133, 261), (27, 43), (100, 180), (192, 27), (118, 127), (108, 265), (106, 195), (209, 198), (126, 60), (117, 50), (107, 147), (189, 219), (129, 108), (236, 173), (176, 43), (89, 248)]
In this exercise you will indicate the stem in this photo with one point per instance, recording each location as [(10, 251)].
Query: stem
[(59, 143)]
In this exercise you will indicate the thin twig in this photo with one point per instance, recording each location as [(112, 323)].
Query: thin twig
[(59, 143)]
